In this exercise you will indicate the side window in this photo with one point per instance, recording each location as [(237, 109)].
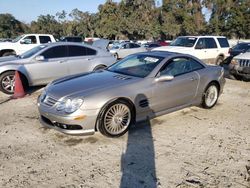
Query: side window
[(55, 52), (44, 39), (178, 66), (210, 43), (30, 40), (127, 46), (223, 42), (200, 44), (76, 51), (90, 51), (134, 45)]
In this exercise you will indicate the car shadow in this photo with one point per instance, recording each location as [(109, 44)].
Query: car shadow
[(138, 161), (33, 89)]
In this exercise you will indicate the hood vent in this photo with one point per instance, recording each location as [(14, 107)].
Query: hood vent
[(121, 77), (143, 103)]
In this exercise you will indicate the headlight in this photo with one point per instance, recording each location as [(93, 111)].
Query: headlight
[(234, 62), (68, 105), (43, 95)]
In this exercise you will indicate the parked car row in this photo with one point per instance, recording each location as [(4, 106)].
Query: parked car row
[(89, 91), (50, 61)]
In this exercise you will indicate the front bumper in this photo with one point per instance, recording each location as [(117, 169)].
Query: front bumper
[(69, 124), (240, 71)]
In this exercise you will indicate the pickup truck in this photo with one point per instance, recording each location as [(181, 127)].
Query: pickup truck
[(24, 43)]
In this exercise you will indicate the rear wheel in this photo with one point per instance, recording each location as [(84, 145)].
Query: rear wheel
[(219, 60), (210, 96), (116, 119), (8, 53), (116, 56), (99, 67)]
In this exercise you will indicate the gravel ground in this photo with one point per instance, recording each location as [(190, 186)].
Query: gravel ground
[(193, 147)]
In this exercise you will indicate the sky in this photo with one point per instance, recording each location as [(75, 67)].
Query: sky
[(28, 10)]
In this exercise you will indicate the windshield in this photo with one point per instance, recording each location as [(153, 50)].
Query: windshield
[(32, 51), (136, 65), (241, 46), (184, 41), (17, 39), (114, 47)]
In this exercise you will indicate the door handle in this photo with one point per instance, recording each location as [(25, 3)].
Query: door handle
[(193, 79), (89, 59), (61, 61)]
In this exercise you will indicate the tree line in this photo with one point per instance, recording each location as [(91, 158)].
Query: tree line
[(141, 19)]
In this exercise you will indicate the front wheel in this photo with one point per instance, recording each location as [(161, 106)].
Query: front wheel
[(210, 96), (7, 82), (116, 119)]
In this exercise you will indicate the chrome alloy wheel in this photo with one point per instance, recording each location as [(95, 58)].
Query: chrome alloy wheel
[(211, 95), (117, 118), (8, 83)]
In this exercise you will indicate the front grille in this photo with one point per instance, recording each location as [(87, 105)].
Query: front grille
[(49, 101), (244, 63)]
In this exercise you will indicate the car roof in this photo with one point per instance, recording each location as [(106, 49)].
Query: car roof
[(163, 54), (204, 36)]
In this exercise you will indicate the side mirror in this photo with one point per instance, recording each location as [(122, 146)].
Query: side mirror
[(164, 78), (25, 41), (39, 58)]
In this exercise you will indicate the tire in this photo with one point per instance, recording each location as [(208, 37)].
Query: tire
[(99, 67), (219, 61), (7, 82), (116, 119), (8, 54), (116, 56), (237, 77), (210, 96)]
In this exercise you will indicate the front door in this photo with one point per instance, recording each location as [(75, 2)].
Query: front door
[(179, 91), (52, 67)]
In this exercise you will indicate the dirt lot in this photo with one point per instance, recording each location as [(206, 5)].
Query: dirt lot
[(193, 147)]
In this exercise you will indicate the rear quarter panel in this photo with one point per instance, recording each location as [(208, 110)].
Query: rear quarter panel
[(207, 75)]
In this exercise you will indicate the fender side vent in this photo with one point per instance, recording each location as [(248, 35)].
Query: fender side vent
[(143, 103)]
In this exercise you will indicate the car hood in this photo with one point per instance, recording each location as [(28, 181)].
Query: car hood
[(82, 85), (178, 49), (4, 45), (10, 60), (243, 56)]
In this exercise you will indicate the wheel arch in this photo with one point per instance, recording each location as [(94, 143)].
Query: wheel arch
[(124, 99), (99, 65), (22, 75), (6, 50), (216, 82)]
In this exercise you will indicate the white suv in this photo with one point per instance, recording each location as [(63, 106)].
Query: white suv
[(210, 49)]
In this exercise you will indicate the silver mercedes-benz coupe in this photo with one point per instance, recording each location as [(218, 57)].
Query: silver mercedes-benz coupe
[(141, 86), (48, 62)]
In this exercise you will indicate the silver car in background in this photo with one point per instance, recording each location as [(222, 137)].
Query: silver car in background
[(141, 86), (126, 48), (48, 62)]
